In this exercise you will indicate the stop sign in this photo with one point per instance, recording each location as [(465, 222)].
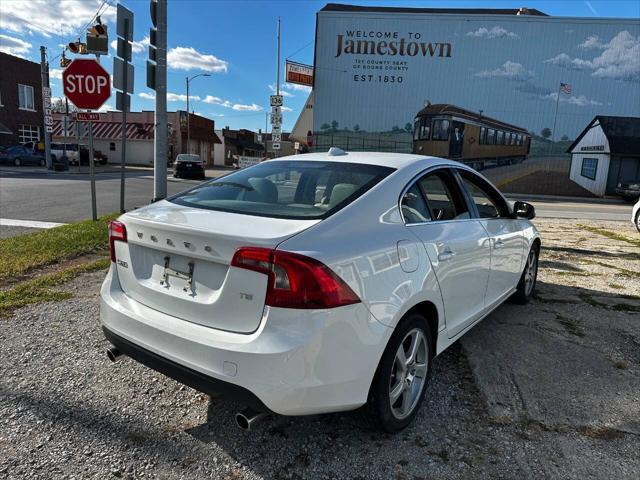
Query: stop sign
[(86, 84)]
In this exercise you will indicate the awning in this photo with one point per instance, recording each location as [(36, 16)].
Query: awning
[(108, 130)]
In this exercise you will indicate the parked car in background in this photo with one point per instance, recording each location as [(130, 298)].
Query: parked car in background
[(20, 155), (316, 283), (58, 151), (635, 215), (629, 189), (188, 165)]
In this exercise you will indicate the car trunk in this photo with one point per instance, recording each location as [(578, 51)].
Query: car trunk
[(177, 260)]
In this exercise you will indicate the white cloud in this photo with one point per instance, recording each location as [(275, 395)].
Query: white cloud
[(619, 59), (147, 96), (495, 32), (14, 46), (55, 73), (188, 58), (179, 97), (136, 47), (286, 109), (295, 87), (228, 104), (247, 108), (580, 101), (509, 69), (53, 17), (283, 92)]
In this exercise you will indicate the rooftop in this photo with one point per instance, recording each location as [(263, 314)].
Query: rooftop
[(623, 133)]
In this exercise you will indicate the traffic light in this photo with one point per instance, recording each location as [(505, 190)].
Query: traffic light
[(64, 61), (153, 49), (77, 47), (98, 39)]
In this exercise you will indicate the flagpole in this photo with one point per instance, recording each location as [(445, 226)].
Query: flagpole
[(555, 119)]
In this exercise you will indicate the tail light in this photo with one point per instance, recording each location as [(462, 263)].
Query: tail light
[(295, 281), (117, 232)]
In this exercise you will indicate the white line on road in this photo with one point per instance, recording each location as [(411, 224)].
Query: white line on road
[(10, 222)]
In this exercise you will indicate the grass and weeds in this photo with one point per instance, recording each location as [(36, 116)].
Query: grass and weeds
[(570, 325), (609, 234), (23, 253), (42, 288), (624, 272)]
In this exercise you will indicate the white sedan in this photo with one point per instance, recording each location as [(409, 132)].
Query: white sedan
[(316, 283), (635, 215)]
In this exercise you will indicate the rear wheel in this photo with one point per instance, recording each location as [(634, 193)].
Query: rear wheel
[(527, 283), (17, 162), (638, 220), (401, 381)]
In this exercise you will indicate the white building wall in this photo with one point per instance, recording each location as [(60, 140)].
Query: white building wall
[(597, 186), (218, 150), (138, 152), (593, 144)]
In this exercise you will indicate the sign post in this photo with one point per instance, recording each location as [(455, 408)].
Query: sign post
[(88, 86)]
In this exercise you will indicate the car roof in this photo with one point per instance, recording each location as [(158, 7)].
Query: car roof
[(384, 159)]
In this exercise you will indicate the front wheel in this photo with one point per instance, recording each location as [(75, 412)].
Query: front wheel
[(401, 381), (638, 220), (527, 283)]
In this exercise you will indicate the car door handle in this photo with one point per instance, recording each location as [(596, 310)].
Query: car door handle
[(498, 243), (446, 255)]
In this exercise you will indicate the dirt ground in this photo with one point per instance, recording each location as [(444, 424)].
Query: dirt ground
[(547, 390)]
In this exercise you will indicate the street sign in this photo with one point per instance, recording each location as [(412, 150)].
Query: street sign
[(276, 100), (276, 137), (118, 75), (299, 73), (276, 110), (88, 116), (46, 103), (276, 119), (86, 84), (275, 146), (124, 15)]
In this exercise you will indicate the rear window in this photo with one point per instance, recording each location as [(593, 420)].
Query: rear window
[(303, 190), (187, 157)]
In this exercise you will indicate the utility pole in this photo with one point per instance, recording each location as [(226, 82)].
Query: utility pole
[(188, 120), (44, 73), (160, 150), (278, 69)]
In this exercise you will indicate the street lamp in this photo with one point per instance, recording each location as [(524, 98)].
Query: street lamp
[(188, 114)]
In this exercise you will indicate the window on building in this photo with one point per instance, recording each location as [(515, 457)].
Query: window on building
[(589, 168), (112, 146), (440, 130), (500, 138), (25, 97), (29, 133), (483, 133), (491, 136)]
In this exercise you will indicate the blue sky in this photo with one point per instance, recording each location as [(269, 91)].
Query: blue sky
[(233, 41)]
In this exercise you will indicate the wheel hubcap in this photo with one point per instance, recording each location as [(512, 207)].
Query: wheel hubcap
[(408, 374), (531, 272)]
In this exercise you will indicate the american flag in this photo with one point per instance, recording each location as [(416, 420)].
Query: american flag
[(565, 88)]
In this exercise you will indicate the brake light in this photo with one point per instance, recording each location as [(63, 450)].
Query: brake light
[(295, 281), (117, 232)]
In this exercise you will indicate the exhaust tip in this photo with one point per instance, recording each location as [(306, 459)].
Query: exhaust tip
[(247, 419), (113, 354)]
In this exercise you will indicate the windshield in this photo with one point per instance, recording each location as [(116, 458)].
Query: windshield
[(281, 189)]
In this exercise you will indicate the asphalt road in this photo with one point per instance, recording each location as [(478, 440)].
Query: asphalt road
[(65, 198)]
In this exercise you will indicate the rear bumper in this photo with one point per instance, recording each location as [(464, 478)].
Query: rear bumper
[(297, 362)]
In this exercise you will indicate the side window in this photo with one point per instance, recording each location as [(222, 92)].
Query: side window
[(425, 128), (440, 130), (443, 197), (487, 201), (414, 207), (500, 138), (416, 129), (491, 136), (483, 132)]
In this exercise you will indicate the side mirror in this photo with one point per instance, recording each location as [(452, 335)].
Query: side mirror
[(524, 210)]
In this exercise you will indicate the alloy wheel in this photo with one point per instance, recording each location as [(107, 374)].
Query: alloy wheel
[(408, 374), (531, 272)]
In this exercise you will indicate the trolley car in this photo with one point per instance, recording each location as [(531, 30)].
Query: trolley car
[(448, 131)]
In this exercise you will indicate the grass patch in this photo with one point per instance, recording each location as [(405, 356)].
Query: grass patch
[(41, 289), (621, 271), (616, 286), (604, 433), (20, 254), (610, 234)]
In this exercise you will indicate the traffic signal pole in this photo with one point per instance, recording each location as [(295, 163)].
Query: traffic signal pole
[(160, 150)]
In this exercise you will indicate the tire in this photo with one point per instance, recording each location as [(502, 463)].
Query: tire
[(638, 220), (17, 162), (381, 412), (527, 284)]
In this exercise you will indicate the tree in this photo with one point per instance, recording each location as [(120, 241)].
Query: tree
[(396, 128), (325, 126), (546, 133), (408, 127), (58, 106), (334, 125), (356, 128), (564, 138)]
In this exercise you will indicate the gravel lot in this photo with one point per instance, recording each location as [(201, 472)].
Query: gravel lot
[(550, 390)]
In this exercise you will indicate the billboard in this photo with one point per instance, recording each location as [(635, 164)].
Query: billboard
[(375, 68)]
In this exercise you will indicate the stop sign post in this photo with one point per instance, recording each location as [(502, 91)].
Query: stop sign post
[(86, 84)]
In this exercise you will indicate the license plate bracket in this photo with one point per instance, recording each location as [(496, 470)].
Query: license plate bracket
[(172, 272)]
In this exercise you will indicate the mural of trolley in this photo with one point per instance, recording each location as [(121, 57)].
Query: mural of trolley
[(449, 131)]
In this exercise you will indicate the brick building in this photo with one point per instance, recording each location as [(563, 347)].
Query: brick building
[(21, 117)]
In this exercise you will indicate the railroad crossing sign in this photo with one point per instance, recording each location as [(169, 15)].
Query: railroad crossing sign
[(86, 84)]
